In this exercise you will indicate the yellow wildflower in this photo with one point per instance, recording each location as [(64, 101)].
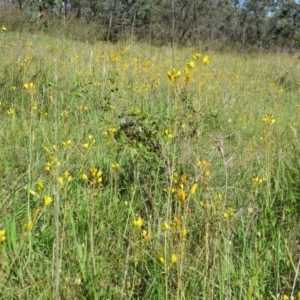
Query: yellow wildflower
[(174, 258), (183, 233), (29, 225), (65, 114), (165, 226), (47, 150), (206, 60), (60, 180), (99, 174), (182, 196), (187, 76), (2, 235), (93, 171), (173, 75), (160, 258), (218, 197), (257, 180), (35, 213), (175, 177), (183, 180), (168, 133), (54, 147), (29, 86), (3, 28), (11, 112), (68, 176), (68, 143), (82, 108), (193, 189), (146, 234), (268, 119), (196, 56), (191, 64), (48, 166), (47, 200), (177, 221), (203, 164), (207, 174), (116, 166), (112, 130), (32, 192), (229, 214), (139, 222), (84, 177)]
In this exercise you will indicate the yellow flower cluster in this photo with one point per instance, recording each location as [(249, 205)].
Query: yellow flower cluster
[(173, 259), (268, 119), (39, 189), (173, 75), (180, 188), (165, 226), (139, 222), (256, 180), (116, 166), (11, 112), (95, 177), (82, 108), (204, 168), (29, 86), (175, 227), (53, 161), (68, 143), (40, 186), (196, 56), (169, 133), (65, 179), (96, 173), (229, 213), (91, 141)]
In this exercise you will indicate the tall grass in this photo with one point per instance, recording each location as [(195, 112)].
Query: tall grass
[(163, 190)]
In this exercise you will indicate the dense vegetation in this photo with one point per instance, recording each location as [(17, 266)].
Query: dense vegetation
[(131, 171)]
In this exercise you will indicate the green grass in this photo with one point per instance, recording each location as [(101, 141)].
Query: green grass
[(101, 105)]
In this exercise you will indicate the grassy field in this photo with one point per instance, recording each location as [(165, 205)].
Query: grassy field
[(135, 172)]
